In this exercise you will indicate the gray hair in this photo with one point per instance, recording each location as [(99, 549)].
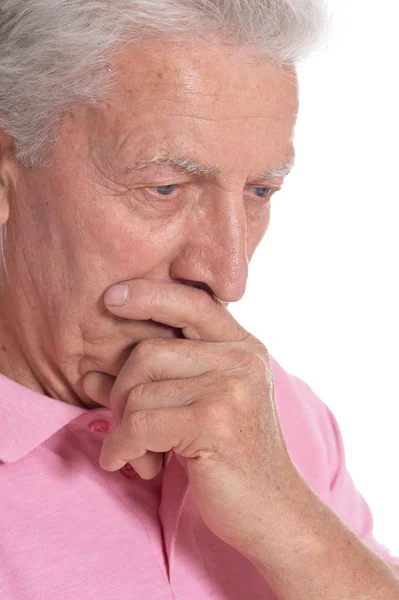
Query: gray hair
[(55, 54)]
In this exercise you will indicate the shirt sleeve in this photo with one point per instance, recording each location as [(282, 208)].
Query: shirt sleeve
[(345, 499)]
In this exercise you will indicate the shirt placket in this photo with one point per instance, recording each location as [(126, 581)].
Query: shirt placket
[(174, 490)]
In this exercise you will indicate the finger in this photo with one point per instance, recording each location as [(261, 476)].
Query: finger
[(151, 360), (149, 430), (173, 393), (160, 394), (148, 465), (195, 311), (98, 386), (163, 360)]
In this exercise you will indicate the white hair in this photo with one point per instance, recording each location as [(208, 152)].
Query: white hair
[(55, 54)]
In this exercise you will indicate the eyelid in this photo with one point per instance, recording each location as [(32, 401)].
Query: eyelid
[(263, 185), (275, 186), (182, 184), (152, 188)]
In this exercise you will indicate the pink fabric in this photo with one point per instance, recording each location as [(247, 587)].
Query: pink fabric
[(68, 529)]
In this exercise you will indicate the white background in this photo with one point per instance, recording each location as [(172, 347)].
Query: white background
[(323, 291)]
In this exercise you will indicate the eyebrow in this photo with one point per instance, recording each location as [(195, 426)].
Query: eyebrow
[(282, 171), (193, 167)]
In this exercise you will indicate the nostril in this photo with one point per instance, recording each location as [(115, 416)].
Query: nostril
[(197, 284)]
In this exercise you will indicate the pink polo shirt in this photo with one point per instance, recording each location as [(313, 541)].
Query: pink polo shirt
[(70, 530)]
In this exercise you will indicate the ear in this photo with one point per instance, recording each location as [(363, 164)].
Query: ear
[(7, 174)]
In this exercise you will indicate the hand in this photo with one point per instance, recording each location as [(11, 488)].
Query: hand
[(210, 397)]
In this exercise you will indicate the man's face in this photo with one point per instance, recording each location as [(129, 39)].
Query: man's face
[(92, 219)]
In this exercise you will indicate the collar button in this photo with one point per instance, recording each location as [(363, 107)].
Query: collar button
[(99, 426), (128, 470)]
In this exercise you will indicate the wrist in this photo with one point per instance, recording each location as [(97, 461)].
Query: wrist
[(297, 529), (318, 556)]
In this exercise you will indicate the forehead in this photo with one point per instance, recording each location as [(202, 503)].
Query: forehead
[(198, 95), (203, 74)]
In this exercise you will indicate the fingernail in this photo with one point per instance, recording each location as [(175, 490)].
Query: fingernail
[(117, 295)]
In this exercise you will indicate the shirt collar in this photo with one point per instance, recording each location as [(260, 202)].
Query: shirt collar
[(28, 418)]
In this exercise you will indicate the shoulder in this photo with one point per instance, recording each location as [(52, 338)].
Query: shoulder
[(309, 427), (316, 447)]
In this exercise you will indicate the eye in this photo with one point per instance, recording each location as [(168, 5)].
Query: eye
[(163, 195), (165, 190), (263, 192)]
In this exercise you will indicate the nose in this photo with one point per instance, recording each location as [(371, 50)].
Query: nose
[(214, 252)]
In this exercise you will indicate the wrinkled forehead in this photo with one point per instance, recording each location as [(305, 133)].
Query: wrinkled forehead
[(195, 96), (153, 73)]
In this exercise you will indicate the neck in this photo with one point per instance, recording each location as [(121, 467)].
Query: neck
[(36, 374), (13, 364)]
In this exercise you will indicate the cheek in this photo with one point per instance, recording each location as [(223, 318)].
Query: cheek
[(115, 241), (135, 250)]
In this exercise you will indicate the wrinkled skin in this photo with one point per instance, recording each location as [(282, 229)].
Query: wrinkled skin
[(82, 224)]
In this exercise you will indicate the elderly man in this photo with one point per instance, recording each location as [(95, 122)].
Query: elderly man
[(150, 446)]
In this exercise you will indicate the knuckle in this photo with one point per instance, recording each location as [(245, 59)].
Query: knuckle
[(240, 358), (237, 390), (259, 365), (137, 423), (232, 394), (252, 362), (139, 353), (158, 297), (236, 400), (138, 394), (145, 348), (260, 348)]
